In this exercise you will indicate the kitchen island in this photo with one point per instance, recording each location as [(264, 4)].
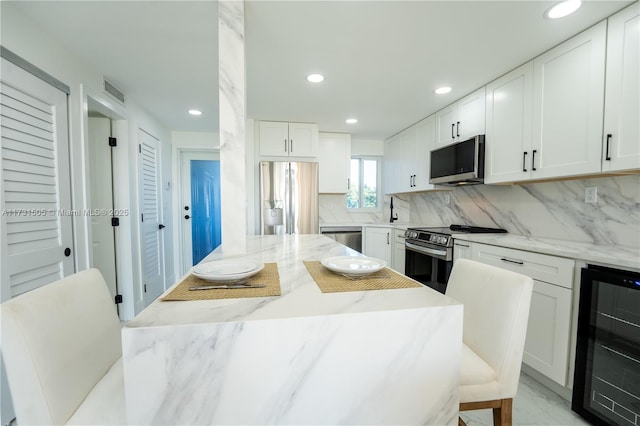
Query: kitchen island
[(304, 357)]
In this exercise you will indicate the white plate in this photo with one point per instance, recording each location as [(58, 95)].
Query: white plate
[(227, 270), (353, 265)]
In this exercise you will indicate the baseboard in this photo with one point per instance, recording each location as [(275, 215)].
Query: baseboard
[(564, 392)]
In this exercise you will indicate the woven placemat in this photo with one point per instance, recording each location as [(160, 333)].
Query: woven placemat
[(268, 276), (330, 282)]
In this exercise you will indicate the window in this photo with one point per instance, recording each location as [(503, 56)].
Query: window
[(364, 183)]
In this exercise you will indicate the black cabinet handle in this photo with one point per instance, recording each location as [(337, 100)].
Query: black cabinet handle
[(67, 252), (533, 160), (606, 156), (186, 216), (517, 262), (285, 145), (387, 238), (524, 161), (186, 207), (452, 126), (290, 146), (458, 129), (161, 226)]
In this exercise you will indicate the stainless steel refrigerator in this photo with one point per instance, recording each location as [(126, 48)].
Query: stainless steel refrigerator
[(288, 198)]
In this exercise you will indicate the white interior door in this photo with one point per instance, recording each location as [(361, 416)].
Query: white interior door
[(151, 210), (35, 225), (101, 186)]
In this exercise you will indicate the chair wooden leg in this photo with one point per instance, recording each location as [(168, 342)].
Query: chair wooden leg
[(502, 414), (461, 422)]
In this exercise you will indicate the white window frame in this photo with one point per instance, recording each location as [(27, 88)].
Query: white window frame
[(378, 207)]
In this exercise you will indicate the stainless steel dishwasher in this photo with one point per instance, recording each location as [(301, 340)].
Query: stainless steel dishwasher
[(350, 236)]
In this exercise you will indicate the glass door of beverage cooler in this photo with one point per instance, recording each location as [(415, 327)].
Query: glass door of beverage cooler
[(607, 375)]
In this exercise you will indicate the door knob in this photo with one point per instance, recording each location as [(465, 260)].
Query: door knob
[(67, 252), (186, 216)]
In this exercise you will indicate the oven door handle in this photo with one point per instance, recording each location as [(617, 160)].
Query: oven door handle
[(421, 249)]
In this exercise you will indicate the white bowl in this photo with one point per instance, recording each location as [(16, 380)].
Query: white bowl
[(353, 265), (226, 270)]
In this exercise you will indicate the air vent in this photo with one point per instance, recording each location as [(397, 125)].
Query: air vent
[(113, 91)]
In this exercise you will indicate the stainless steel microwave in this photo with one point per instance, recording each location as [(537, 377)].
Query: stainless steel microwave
[(459, 163)]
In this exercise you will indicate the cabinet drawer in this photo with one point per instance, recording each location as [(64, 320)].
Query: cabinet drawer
[(550, 269)]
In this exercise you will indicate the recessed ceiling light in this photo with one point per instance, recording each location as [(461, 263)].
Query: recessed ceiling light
[(562, 9), (351, 120), (315, 78), (442, 90), (195, 112)]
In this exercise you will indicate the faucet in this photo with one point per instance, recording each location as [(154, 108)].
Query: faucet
[(392, 219)]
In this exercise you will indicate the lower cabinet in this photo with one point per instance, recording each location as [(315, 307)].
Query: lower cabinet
[(548, 333), (377, 243), (398, 250)]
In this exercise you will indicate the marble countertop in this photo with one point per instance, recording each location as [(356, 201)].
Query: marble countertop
[(617, 256), (300, 297)]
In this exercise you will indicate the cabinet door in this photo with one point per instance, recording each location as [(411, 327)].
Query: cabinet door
[(424, 143), (334, 158), (446, 120), (471, 115), (461, 250), (377, 243), (622, 98), (274, 138), (568, 102), (406, 166), (546, 348), (508, 127), (391, 169), (399, 250), (303, 140)]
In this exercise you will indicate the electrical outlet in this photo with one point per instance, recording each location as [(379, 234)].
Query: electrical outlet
[(591, 194), (447, 198)]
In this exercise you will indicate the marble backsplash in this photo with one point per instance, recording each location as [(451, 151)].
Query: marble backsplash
[(545, 210)]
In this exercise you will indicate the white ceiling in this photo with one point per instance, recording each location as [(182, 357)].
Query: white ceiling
[(381, 59)]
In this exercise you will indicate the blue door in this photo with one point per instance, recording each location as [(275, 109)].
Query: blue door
[(205, 206)]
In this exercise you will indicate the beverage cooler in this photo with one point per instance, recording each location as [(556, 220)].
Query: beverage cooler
[(606, 386)]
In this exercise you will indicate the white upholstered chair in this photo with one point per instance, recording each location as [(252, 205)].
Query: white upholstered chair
[(496, 311), (63, 355)]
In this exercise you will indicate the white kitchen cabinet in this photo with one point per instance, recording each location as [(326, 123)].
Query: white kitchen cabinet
[(399, 253), (548, 331), (461, 250), (461, 120), (424, 143), (391, 165), (509, 126), (288, 139), (334, 158), (377, 242), (407, 158), (622, 96), (568, 102)]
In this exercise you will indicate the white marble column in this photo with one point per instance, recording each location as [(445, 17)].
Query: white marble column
[(231, 68)]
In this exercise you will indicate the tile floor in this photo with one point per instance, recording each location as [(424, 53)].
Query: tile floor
[(533, 405)]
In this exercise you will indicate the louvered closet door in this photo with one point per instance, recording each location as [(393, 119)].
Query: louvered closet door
[(35, 183), (152, 243)]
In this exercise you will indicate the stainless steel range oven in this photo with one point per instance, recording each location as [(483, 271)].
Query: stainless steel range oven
[(429, 253)]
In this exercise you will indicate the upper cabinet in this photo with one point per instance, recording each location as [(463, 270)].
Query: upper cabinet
[(334, 157), (461, 120), (288, 139), (622, 97), (406, 158), (509, 120), (568, 103)]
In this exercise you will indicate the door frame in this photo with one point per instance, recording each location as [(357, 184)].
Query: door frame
[(179, 150)]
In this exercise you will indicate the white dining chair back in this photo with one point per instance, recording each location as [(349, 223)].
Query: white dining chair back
[(62, 351), (496, 312)]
